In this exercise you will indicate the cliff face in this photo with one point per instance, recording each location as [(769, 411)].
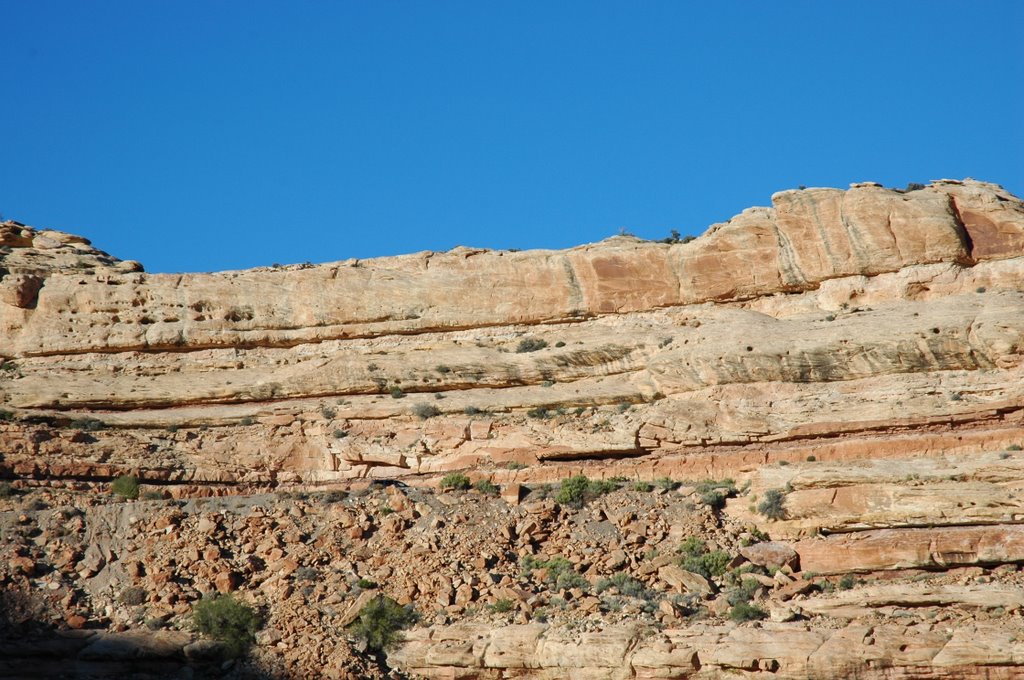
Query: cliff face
[(831, 345)]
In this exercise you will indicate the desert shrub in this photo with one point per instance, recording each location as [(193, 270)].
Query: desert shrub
[(530, 345), (380, 623), (513, 465), (125, 486), (133, 595), (599, 487), (471, 410), (747, 612), (847, 582), (625, 584), (643, 486), (340, 434), (328, 412), (914, 186), (560, 572), (698, 559), (560, 344), (247, 421), (397, 393), (152, 496), (575, 491), (502, 606), (811, 459), (306, 574), (666, 483), (773, 505), (713, 493), (486, 486), (227, 620), (562, 575), (572, 491), (6, 490), (455, 480), (540, 413), (443, 369), (1013, 447), (6, 415), (366, 584), (424, 411)]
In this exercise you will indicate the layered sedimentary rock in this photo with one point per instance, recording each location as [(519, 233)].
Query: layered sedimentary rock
[(816, 317), (852, 360)]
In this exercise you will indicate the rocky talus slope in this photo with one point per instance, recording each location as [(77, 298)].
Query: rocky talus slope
[(808, 423)]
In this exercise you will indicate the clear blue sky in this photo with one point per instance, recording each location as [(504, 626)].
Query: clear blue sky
[(198, 136)]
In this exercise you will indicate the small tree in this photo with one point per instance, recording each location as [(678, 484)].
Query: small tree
[(380, 623), (227, 620)]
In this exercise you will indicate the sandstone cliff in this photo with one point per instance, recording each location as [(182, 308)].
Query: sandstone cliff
[(859, 350)]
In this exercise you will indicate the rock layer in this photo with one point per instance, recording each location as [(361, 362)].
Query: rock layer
[(857, 356)]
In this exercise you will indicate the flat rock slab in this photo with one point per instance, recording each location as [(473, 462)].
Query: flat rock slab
[(861, 601), (884, 549)]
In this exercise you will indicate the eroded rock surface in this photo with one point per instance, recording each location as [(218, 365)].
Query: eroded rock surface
[(852, 360)]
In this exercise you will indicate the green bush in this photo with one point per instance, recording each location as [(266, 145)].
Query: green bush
[(575, 491), (643, 486), (667, 484), (380, 623), (540, 413), (698, 559), (530, 345), (713, 493), (560, 572), (625, 584), (773, 504), (847, 582), (502, 606), (6, 415), (6, 490), (486, 486), (397, 393), (572, 492), (599, 487), (747, 612), (227, 620), (125, 486), (455, 480)]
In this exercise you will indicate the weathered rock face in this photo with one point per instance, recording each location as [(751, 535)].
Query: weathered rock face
[(826, 321), (859, 354)]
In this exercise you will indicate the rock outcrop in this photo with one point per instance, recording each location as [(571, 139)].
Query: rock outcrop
[(852, 360)]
